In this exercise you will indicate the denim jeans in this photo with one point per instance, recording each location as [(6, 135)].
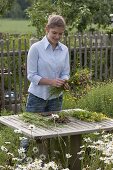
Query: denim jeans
[(36, 104)]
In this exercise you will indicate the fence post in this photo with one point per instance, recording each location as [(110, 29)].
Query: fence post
[(32, 41)]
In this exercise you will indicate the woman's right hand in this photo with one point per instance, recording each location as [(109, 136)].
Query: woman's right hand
[(57, 82)]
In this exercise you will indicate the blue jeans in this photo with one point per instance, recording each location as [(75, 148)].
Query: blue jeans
[(36, 104)]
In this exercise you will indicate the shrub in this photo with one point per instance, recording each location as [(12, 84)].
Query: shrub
[(99, 99)]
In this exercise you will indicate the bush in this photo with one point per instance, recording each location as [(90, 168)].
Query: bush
[(99, 99)]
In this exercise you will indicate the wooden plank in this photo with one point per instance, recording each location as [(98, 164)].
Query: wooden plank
[(19, 69), (80, 49), (2, 74), (96, 57), (14, 77), (106, 58), (74, 55), (9, 75), (85, 51), (16, 122), (111, 58), (90, 55), (25, 69), (101, 56)]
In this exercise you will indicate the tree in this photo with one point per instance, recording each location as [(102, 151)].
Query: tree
[(38, 14), (18, 9), (77, 13), (5, 5)]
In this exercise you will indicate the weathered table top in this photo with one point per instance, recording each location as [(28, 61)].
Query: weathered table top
[(75, 127)]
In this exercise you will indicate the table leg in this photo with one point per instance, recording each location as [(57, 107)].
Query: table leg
[(75, 143)]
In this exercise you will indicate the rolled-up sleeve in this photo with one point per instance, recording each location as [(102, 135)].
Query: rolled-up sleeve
[(32, 65)]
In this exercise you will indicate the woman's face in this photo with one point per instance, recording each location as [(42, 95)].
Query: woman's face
[(54, 35)]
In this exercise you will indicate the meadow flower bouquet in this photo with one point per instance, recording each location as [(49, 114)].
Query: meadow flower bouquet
[(79, 83)]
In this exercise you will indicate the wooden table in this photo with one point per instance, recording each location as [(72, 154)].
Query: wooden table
[(74, 129)]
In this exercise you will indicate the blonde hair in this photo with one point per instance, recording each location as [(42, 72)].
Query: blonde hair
[(56, 21)]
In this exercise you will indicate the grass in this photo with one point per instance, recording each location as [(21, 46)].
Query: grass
[(16, 26)]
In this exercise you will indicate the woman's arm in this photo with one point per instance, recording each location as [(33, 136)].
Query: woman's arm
[(52, 82)]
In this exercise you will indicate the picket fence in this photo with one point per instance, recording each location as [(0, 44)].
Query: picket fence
[(86, 51)]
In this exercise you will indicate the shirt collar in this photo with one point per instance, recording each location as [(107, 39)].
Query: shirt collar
[(47, 44)]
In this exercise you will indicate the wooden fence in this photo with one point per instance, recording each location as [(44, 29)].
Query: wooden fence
[(92, 51)]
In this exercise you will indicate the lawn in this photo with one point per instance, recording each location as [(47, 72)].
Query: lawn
[(16, 26)]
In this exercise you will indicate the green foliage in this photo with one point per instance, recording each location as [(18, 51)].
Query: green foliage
[(83, 19), (109, 31), (79, 14), (88, 116), (39, 13), (68, 101), (5, 5), (7, 135), (79, 83), (99, 99)]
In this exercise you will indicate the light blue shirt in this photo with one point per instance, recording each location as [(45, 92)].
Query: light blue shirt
[(44, 62)]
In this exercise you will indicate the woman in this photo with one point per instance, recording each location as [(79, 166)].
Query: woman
[(47, 66)]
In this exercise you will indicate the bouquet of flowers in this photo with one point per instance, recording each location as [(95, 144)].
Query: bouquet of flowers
[(79, 83)]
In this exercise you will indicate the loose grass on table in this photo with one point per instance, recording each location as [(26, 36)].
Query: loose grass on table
[(63, 117)]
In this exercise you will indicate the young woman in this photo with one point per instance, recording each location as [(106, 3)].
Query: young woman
[(47, 66)]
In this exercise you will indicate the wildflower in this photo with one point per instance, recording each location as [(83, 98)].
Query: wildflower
[(23, 156), (7, 142), (107, 161), (87, 139), (23, 138), (79, 153), (38, 162), (3, 148), (2, 167), (102, 158), (42, 157), (31, 127), (55, 116), (9, 167), (53, 165), (16, 159), (17, 131), (96, 133), (21, 150), (82, 146), (11, 154), (68, 156), (35, 150), (29, 160)]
